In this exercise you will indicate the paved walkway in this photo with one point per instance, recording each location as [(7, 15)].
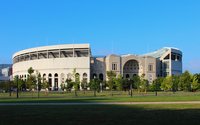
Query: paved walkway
[(101, 103)]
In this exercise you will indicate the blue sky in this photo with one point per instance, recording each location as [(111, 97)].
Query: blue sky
[(110, 26)]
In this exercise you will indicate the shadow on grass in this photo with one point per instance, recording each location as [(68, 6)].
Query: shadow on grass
[(100, 115)]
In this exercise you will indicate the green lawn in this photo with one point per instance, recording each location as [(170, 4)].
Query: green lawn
[(173, 114), (101, 115), (101, 97)]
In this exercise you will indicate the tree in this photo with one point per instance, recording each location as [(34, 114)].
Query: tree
[(45, 85), (39, 83), (185, 81), (118, 82), (155, 86), (197, 77), (195, 83), (95, 85), (18, 82), (166, 85), (62, 86), (144, 85), (125, 84), (31, 81), (69, 84), (175, 82), (76, 82), (136, 82), (30, 71), (6, 85), (111, 76), (84, 85)]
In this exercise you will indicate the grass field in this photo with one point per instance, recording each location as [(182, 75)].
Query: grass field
[(101, 115), (101, 97), (172, 114)]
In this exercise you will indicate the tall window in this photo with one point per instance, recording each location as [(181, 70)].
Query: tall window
[(114, 66), (150, 67)]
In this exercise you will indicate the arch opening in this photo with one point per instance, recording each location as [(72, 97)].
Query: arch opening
[(131, 68)]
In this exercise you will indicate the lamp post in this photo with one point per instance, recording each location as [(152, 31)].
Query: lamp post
[(17, 86), (131, 90), (131, 87), (9, 88), (101, 86), (38, 88)]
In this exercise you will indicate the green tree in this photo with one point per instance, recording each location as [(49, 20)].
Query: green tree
[(155, 86), (198, 77), (185, 81), (175, 82), (6, 85), (137, 82), (195, 83), (118, 82), (18, 84), (166, 85), (45, 85), (30, 71), (62, 86), (39, 82), (76, 82), (111, 76), (69, 84), (95, 85), (144, 84), (31, 80), (125, 84), (84, 85)]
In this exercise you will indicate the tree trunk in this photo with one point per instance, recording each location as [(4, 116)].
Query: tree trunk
[(75, 93), (94, 93)]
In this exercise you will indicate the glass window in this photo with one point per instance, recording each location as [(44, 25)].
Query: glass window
[(150, 67), (114, 66)]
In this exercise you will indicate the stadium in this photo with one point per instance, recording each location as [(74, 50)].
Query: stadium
[(56, 63)]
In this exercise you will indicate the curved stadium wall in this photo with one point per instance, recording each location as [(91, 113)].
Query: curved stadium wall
[(54, 63)]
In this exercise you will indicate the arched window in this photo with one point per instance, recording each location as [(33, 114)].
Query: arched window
[(62, 77), (85, 76), (50, 75), (55, 81), (69, 76), (56, 75), (94, 75), (127, 76), (44, 77), (101, 76), (77, 75), (50, 81)]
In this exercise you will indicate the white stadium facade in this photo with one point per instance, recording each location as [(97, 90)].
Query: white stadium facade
[(57, 63)]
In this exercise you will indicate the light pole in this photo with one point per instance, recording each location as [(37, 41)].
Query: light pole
[(38, 88), (131, 90), (17, 87), (101, 86), (9, 88)]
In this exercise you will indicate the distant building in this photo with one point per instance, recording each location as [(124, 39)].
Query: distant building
[(5, 72), (161, 63), (56, 63)]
